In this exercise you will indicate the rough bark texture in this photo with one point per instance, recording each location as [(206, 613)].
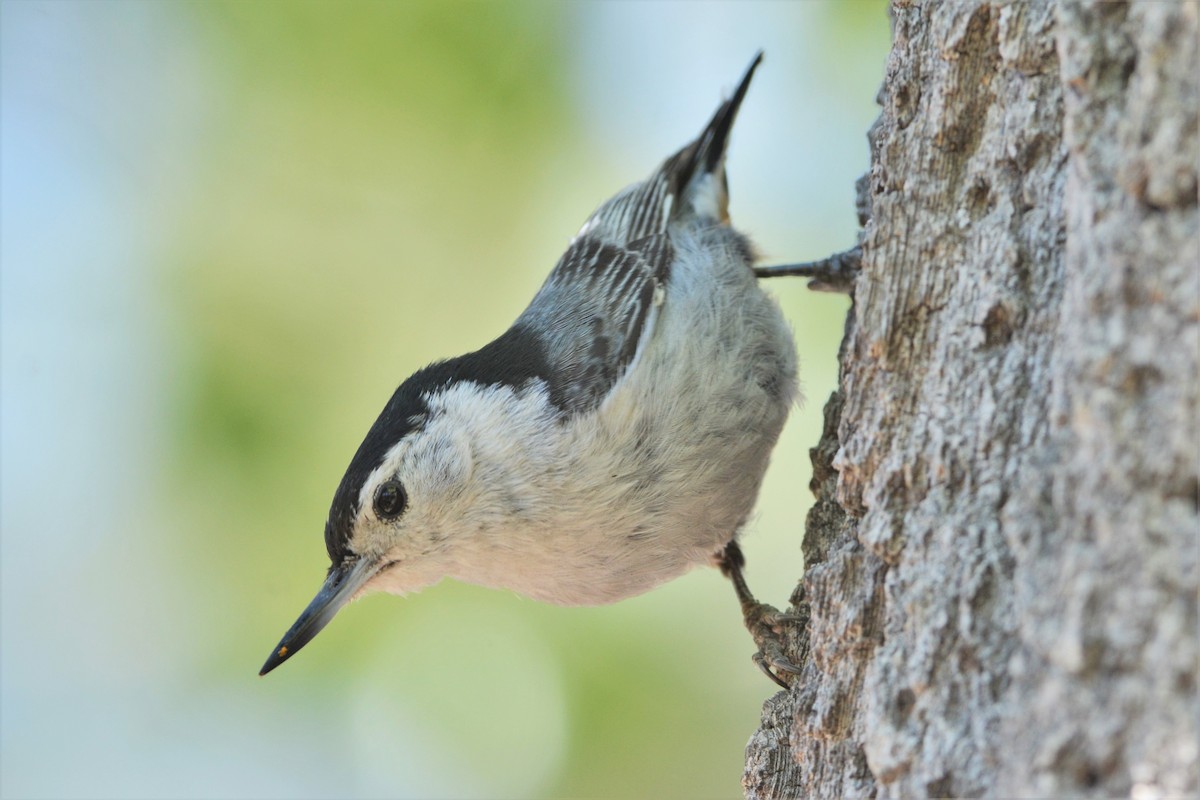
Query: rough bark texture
[(1002, 571)]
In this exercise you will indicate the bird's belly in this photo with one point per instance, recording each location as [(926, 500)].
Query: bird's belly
[(597, 565), (642, 522)]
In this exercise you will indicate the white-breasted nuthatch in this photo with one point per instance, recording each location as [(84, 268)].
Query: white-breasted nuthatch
[(614, 437)]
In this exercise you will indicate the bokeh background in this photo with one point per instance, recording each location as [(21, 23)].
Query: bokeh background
[(228, 231)]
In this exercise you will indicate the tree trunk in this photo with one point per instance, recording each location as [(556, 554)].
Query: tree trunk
[(1002, 571)]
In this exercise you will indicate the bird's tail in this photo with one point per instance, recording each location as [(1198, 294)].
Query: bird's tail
[(696, 174), (691, 182)]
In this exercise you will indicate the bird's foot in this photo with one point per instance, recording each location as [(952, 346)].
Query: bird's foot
[(833, 274), (767, 625)]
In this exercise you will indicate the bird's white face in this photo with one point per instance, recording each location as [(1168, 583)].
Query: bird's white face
[(443, 495), (413, 507)]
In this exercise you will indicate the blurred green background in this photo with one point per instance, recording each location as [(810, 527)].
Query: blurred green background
[(228, 231)]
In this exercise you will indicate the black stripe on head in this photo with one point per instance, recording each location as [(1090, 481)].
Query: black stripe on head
[(401, 416), (513, 360)]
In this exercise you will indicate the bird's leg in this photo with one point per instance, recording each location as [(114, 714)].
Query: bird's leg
[(764, 622), (833, 274)]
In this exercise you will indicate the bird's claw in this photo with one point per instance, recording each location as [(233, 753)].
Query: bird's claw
[(766, 626)]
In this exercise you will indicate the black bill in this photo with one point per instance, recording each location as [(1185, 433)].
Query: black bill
[(342, 583)]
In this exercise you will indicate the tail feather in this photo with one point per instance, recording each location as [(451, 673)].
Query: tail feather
[(715, 138), (692, 181)]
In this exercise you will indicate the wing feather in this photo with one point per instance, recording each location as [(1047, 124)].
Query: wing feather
[(592, 313)]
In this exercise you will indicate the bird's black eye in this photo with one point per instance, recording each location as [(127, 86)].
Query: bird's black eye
[(390, 500)]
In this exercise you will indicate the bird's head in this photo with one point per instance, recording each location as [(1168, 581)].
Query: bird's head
[(394, 515)]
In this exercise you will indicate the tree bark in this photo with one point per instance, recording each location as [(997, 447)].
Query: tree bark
[(1002, 565)]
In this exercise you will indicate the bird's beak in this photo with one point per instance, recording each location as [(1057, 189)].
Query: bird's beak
[(343, 583)]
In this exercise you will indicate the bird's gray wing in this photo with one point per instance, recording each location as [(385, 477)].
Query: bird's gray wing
[(593, 312), (635, 212), (599, 304)]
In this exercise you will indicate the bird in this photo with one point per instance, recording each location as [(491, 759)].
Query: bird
[(613, 438)]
